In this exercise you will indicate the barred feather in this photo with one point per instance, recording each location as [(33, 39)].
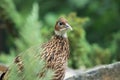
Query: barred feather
[(56, 53)]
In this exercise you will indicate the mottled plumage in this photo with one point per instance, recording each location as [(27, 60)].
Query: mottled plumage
[(56, 53)]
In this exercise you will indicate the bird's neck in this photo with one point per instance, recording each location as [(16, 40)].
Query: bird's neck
[(62, 34)]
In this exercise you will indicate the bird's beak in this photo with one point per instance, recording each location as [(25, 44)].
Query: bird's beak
[(68, 26)]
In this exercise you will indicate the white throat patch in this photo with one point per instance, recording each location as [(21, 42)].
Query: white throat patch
[(61, 33)]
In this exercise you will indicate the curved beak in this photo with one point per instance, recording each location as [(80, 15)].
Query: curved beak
[(68, 26)]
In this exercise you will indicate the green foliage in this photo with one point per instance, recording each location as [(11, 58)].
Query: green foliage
[(28, 27), (33, 65), (30, 31), (95, 39), (84, 54), (7, 59), (10, 9), (29, 34)]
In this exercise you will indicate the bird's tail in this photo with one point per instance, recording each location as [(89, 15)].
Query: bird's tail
[(3, 70)]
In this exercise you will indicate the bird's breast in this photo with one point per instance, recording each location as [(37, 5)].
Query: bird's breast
[(56, 51)]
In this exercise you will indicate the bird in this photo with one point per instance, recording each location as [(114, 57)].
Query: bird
[(55, 52)]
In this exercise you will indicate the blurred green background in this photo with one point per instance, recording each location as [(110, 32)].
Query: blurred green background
[(95, 38)]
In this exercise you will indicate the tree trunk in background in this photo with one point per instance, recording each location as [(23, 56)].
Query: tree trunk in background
[(3, 37), (7, 31)]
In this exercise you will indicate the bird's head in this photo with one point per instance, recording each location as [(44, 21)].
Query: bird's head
[(62, 27)]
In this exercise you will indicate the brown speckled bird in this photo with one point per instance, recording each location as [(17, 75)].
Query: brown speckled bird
[(56, 51)]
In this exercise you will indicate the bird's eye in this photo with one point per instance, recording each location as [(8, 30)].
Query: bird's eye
[(60, 23)]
